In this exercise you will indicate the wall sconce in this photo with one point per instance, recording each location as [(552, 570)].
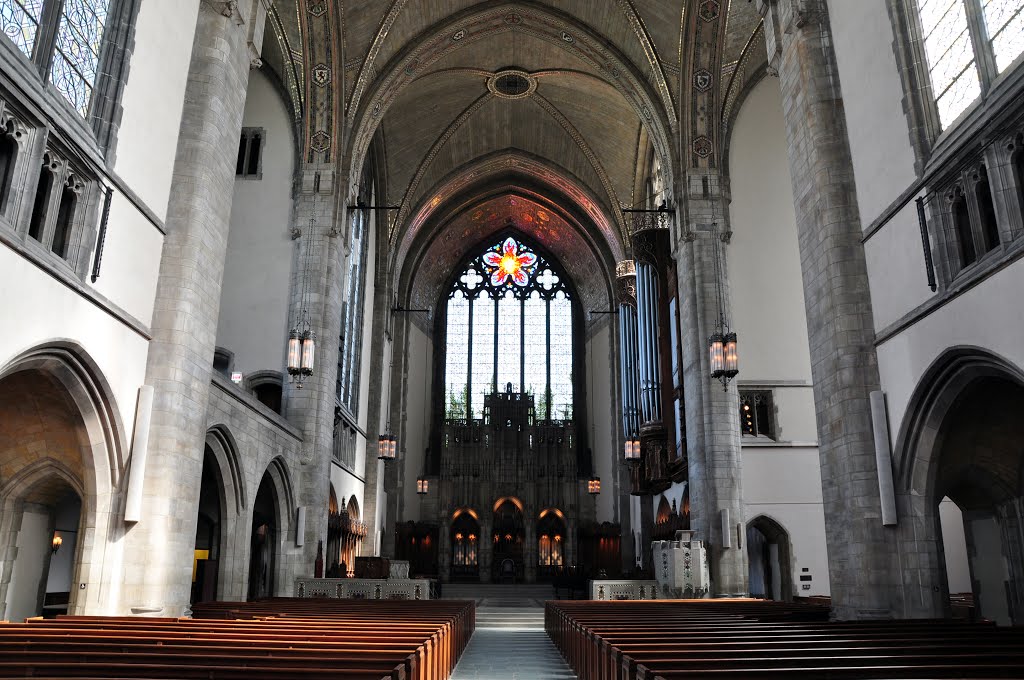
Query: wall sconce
[(422, 485), (57, 542), (594, 486)]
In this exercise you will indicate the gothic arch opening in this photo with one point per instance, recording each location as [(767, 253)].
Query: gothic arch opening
[(770, 560), (264, 540), (509, 534), (209, 531), (59, 455), (465, 541), (961, 441), (552, 536)]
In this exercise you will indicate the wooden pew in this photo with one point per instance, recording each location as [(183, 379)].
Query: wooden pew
[(394, 640), (665, 640)]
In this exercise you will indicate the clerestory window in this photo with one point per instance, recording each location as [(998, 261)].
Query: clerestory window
[(967, 44), (63, 38), (509, 321)]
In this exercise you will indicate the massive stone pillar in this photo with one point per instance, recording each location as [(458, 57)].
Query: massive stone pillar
[(321, 236), (712, 412), (863, 570), (158, 558)]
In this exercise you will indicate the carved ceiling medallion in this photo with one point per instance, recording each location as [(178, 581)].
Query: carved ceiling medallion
[(512, 84)]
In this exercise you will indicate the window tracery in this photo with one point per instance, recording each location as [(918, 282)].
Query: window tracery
[(63, 38), (509, 322), (967, 44)]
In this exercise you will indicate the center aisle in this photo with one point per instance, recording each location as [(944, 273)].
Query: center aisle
[(509, 642)]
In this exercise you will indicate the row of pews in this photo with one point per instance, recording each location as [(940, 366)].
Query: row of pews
[(270, 639), (675, 639)]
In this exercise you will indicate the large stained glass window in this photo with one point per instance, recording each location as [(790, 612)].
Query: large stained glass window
[(967, 44), (948, 46), (20, 20), (77, 51), (62, 36), (509, 322), (1004, 21)]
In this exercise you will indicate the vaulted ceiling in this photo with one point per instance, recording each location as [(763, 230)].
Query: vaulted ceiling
[(597, 96)]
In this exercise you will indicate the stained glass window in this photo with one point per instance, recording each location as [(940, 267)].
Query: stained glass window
[(457, 359), (535, 349), (482, 371), (77, 51), (509, 320), (1004, 20), (510, 340), (20, 21), (561, 357), (948, 46), (353, 311)]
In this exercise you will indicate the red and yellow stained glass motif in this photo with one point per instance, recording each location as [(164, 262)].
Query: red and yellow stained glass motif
[(510, 261)]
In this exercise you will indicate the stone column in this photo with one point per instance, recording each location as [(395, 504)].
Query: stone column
[(486, 550), (863, 570), (712, 413), (320, 236), (158, 562)]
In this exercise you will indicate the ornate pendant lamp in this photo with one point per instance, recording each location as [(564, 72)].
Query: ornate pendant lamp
[(632, 449), (722, 345), (301, 338)]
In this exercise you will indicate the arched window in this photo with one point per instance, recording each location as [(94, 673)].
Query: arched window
[(962, 225), (986, 210), (63, 38), (509, 322), (967, 44)]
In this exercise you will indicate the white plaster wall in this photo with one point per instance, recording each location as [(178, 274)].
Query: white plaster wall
[(795, 416), (417, 418), (131, 260), (153, 99), (883, 160), (764, 260), (988, 315), (954, 545), (254, 303), (33, 542), (44, 310), (600, 416), (784, 484), (896, 271)]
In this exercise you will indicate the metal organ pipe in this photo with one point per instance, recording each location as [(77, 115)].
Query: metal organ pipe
[(628, 357), (649, 358)]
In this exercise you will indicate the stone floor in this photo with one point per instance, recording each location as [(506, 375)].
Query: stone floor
[(509, 642)]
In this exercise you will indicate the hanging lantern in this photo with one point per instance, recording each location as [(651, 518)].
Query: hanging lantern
[(724, 357), (308, 353), (732, 359), (594, 486), (294, 353), (422, 485), (632, 449), (386, 447)]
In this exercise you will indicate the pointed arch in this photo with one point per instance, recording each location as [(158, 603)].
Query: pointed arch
[(225, 452), (104, 441), (651, 102), (779, 557)]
